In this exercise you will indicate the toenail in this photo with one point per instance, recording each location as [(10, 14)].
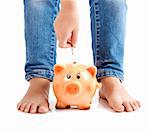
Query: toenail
[(33, 109), (133, 106), (121, 109), (43, 109), (22, 106), (26, 110), (129, 108)]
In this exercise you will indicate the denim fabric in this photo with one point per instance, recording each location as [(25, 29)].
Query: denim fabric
[(40, 37), (108, 19)]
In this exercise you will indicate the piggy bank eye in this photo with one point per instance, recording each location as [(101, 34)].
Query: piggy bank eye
[(78, 76), (68, 76)]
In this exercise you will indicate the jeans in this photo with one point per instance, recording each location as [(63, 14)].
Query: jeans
[(108, 19)]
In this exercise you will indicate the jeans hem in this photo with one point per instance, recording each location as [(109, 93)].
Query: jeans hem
[(40, 74), (109, 73)]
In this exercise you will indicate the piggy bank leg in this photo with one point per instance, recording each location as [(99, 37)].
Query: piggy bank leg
[(84, 107), (61, 105)]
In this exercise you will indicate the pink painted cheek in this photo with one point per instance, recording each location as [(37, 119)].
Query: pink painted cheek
[(88, 88)]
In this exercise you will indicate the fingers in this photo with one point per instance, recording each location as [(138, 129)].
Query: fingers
[(74, 38), (64, 40), (69, 40)]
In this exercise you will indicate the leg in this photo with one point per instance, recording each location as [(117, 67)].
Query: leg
[(40, 53), (108, 19), (84, 107), (60, 105)]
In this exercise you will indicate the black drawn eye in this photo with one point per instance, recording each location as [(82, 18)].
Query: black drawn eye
[(78, 76), (68, 76)]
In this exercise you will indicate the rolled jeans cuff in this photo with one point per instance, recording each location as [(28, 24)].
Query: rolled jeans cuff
[(102, 73), (40, 73)]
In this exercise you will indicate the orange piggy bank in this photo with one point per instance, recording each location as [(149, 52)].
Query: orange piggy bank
[(74, 85)]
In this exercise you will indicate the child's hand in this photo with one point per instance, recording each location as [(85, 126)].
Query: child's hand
[(66, 24)]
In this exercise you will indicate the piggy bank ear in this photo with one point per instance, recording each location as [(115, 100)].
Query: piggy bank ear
[(92, 70), (58, 69)]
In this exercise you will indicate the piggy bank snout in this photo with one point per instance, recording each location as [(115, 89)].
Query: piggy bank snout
[(72, 89)]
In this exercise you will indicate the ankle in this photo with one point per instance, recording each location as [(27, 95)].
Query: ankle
[(110, 84), (39, 86), (39, 82), (110, 80)]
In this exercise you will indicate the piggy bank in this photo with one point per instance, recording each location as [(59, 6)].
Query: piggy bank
[(74, 85)]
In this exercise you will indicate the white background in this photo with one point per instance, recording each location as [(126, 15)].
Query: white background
[(100, 116)]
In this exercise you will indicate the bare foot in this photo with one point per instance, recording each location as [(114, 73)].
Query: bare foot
[(36, 98), (117, 97)]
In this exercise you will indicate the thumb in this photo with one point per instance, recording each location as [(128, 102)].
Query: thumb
[(74, 37), (63, 42)]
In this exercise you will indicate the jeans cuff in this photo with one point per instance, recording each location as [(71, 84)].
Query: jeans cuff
[(102, 73), (40, 73)]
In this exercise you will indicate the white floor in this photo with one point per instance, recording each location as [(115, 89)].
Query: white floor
[(100, 116)]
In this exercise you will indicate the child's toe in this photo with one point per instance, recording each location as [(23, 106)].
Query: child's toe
[(43, 108), (33, 108), (18, 105), (22, 106), (27, 108), (133, 106), (118, 107), (127, 106), (138, 103)]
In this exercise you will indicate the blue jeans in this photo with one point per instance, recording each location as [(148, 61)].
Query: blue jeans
[(108, 19)]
